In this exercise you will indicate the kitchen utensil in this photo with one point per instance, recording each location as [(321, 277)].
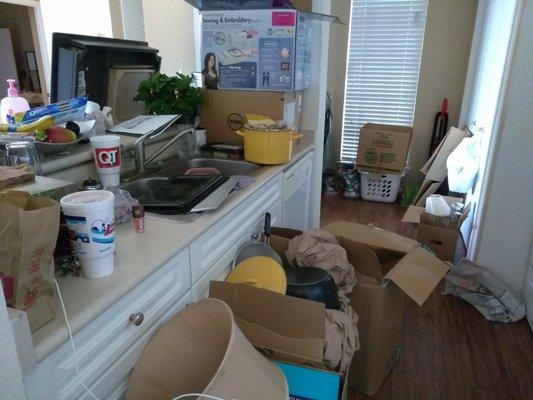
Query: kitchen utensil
[(10, 176), (253, 248), (440, 126), (261, 272), (312, 283), (52, 148), (23, 153), (268, 147)]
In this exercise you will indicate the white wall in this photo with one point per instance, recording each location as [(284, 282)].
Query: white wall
[(76, 16), (506, 230), (169, 27)]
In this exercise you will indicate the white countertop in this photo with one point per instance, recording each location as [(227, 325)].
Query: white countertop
[(137, 256)]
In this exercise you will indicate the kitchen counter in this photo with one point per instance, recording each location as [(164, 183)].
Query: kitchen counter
[(138, 255)]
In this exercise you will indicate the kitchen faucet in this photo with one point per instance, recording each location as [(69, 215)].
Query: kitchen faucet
[(140, 155)]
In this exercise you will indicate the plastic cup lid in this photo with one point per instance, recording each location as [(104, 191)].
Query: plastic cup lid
[(87, 198)]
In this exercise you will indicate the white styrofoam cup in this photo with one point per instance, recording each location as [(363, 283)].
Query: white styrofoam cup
[(91, 224), (106, 152)]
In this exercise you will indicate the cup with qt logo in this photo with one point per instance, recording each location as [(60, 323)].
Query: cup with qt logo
[(106, 152)]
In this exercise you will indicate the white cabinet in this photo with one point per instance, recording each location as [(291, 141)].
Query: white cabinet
[(213, 252), (111, 343), (109, 346), (297, 194)]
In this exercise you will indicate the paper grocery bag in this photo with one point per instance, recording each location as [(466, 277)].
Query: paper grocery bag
[(29, 226)]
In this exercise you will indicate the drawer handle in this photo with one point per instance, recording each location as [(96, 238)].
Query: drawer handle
[(137, 318)]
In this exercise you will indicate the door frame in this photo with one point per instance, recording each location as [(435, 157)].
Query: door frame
[(486, 183), (39, 42)]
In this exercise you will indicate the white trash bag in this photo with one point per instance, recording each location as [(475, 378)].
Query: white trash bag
[(463, 165)]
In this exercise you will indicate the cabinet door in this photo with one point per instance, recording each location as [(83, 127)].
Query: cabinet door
[(220, 270), (215, 246), (296, 194), (113, 384), (105, 340)]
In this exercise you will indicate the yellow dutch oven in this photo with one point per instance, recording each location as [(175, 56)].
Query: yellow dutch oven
[(268, 147)]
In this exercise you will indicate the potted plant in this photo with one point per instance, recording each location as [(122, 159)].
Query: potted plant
[(164, 94)]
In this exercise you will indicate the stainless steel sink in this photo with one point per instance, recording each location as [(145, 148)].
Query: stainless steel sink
[(226, 167)]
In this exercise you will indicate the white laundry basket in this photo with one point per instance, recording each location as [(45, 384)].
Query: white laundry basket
[(377, 186)]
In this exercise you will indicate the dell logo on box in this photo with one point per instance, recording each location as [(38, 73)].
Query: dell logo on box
[(235, 121)]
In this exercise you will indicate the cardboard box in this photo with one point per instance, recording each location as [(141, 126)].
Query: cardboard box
[(224, 111), (435, 168), (388, 266), (441, 234), (282, 328), (383, 147), (267, 50)]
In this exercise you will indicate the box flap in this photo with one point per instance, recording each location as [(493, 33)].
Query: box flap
[(435, 169), (372, 236), (282, 323), (417, 274), (427, 189)]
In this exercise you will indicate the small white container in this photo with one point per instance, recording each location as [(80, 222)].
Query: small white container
[(91, 224), (437, 205), (380, 187), (106, 152)]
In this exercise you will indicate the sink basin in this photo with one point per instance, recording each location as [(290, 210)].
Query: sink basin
[(226, 167)]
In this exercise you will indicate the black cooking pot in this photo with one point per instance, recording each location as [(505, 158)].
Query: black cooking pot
[(313, 284)]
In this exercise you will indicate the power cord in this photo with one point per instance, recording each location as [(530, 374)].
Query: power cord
[(75, 354)]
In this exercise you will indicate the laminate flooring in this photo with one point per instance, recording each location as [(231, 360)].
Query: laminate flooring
[(449, 350)]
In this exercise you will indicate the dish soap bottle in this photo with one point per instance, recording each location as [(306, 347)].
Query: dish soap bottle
[(12, 104)]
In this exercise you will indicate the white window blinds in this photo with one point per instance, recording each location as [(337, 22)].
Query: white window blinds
[(384, 50)]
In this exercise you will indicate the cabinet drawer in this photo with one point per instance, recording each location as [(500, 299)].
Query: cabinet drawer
[(222, 268), (214, 246), (296, 175), (113, 383), (101, 343)]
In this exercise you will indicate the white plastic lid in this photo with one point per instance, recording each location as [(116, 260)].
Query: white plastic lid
[(88, 199)]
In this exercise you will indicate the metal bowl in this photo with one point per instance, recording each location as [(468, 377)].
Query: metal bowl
[(51, 148)]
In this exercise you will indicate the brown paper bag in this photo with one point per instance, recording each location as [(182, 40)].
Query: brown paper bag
[(29, 226)]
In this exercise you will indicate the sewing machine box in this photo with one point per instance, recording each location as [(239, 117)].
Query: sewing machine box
[(383, 147), (388, 267), (225, 111), (267, 50)]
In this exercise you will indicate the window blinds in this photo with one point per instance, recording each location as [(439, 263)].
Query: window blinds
[(384, 50)]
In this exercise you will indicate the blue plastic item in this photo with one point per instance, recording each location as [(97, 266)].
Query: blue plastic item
[(309, 383)]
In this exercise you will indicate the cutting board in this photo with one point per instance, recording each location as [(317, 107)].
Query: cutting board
[(10, 176)]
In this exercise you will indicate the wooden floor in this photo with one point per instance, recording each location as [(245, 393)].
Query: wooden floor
[(449, 350)]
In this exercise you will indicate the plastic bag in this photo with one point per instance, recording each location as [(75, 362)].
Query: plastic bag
[(485, 292), (123, 204), (463, 164)]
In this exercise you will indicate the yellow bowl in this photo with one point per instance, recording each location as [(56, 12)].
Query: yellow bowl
[(268, 147), (261, 272)]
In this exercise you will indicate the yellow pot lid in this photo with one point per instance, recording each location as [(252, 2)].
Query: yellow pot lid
[(261, 272)]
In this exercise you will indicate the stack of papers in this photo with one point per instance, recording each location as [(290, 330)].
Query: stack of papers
[(143, 124)]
